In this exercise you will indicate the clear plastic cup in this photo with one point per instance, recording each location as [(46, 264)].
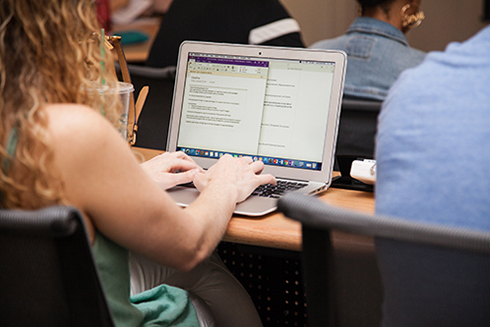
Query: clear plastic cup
[(125, 90)]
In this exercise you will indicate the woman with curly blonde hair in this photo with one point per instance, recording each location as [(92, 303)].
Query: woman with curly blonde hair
[(39, 69), (59, 146)]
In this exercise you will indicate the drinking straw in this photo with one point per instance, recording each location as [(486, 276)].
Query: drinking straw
[(102, 62), (102, 51)]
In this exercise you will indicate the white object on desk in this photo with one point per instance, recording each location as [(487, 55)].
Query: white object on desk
[(364, 170)]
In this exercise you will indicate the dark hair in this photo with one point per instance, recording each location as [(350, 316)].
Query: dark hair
[(384, 4), (486, 13), (374, 3)]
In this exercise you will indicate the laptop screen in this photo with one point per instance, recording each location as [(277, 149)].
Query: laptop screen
[(273, 110)]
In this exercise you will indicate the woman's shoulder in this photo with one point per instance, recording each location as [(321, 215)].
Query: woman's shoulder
[(71, 113), (68, 120), (80, 131)]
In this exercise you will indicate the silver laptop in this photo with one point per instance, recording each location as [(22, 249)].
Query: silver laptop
[(278, 105)]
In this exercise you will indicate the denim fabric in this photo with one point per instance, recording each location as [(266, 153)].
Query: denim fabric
[(377, 53)]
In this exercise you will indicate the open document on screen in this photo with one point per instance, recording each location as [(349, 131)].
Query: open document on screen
[(223, 104), (268, 109), (294, 120)]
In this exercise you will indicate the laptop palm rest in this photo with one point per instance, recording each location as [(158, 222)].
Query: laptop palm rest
[(253, 206)]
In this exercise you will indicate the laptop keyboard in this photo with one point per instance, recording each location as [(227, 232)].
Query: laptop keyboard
[(269, 190), (276, 191)]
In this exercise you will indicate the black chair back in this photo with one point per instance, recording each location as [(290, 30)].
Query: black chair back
[(357, 130), (48, 274), (442, 242)]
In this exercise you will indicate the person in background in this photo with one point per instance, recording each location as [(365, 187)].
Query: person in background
[(104, 14), (377, 48), (59, 147), (432, 151), (264, 22)]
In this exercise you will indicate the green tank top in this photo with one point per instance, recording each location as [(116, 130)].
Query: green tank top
[(161, 306), (10, 148)]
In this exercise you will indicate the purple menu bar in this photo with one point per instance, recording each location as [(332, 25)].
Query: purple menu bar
[(230, 61)]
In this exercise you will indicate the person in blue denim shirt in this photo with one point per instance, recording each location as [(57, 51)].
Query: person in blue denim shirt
[(377, 48)]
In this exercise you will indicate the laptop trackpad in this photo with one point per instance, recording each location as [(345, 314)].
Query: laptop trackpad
[(253, 206), (183, 196)]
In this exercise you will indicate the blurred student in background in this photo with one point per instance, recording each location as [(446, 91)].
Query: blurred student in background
[(377, 48), (264, 22)]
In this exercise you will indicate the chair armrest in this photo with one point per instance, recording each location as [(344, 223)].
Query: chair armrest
[(314, 213), (361, 105), (51, 221)]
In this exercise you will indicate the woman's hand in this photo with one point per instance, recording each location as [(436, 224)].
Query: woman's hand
[(171, 168), (242, 173)]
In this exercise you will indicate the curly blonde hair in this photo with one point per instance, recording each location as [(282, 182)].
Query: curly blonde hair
[(49, 54)]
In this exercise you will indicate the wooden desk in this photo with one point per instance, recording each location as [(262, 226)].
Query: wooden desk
[(276, 231), (137, 53)]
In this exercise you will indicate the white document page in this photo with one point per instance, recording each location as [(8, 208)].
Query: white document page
[(222, 107), (295, 110)]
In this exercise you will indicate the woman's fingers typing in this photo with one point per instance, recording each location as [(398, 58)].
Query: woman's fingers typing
[(171, 168), (242, 173)]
